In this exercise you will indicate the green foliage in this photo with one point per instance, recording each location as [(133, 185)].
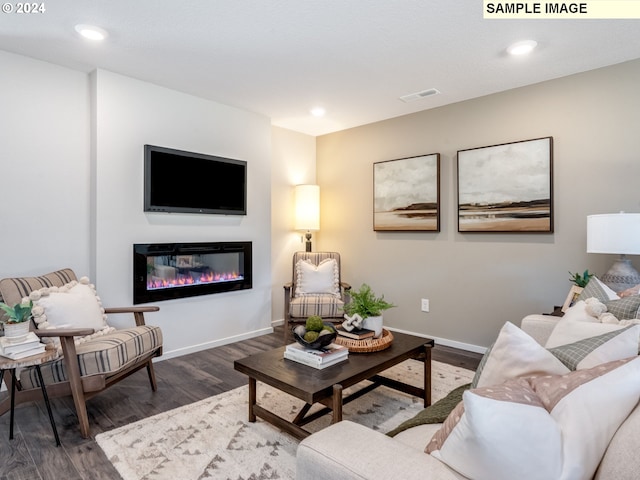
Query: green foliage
[(580, 280), (19, 313), (314, 324), (365, 303)]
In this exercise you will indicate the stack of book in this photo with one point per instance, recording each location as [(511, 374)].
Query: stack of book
[(356, 333), (16, 350), (329, 355)]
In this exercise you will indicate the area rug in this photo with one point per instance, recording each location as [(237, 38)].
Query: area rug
[(212, 439)]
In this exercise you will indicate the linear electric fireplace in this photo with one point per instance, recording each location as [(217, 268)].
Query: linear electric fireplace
[(164, 271)]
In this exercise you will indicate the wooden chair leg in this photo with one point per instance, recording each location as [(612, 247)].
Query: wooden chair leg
[(75, 383), (152, 376)]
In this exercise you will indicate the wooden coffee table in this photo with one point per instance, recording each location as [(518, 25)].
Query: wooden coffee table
[(325, 386)]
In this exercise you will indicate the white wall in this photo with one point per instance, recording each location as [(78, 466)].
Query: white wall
[(44, 158), (476, 282), (293, 163), (130, 113)]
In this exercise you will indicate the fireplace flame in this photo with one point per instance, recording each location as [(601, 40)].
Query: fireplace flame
[(155, 283)]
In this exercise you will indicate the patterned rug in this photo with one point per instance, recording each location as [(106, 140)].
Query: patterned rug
[(212, 439)]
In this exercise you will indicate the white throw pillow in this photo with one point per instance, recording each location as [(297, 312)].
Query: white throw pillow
[(317, 279), (552, 426), (74, 305), (515, 354)]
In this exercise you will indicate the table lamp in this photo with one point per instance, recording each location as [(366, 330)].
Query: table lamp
[(616, 233), (307, 211)]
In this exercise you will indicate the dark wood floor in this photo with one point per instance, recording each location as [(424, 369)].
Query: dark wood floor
[(32, 453)]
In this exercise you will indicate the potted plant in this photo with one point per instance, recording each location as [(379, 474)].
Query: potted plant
[(16, 320), (580, 280), (364, 310)]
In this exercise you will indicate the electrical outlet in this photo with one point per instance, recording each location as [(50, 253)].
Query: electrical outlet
[(424, 305)]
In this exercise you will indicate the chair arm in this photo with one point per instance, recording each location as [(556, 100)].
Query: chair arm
[(288, 286), (345, 286), (64, 332), (138, 312)]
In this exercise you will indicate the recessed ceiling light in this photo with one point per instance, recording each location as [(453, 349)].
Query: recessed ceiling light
[(92, 32), (522, 48), (318, 111)]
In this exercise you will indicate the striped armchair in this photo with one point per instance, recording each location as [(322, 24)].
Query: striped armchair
[(316, 289), (93, 364)]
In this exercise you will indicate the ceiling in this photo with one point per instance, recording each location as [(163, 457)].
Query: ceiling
[(280, 58)]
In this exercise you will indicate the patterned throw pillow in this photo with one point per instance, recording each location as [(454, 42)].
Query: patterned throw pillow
[(596, 289), (624, 308), (317, 279), (516, 354), (535, 428)]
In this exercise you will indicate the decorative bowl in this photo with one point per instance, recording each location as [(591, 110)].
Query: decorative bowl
[(321, 342)]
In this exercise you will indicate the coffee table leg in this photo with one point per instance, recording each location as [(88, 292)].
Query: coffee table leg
[(337, 404), (252, 398), (427, 375), (13, 401)]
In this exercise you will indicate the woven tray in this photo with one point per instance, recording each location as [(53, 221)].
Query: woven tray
[(367, 345)]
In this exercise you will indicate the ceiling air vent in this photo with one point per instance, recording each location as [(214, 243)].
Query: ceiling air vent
[(418, 95)]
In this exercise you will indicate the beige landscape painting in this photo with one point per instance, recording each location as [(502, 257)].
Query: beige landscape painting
[(506, 188), (406, 194)]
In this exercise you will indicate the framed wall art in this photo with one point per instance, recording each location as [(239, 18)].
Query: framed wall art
[(506, 188), (406, 194)]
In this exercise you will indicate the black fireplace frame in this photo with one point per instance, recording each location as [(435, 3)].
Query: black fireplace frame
[(142, 250)]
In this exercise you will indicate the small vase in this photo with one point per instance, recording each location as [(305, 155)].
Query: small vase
[(16, 330), (375, 324)]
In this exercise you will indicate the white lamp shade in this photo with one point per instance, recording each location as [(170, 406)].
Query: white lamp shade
[(616, 233), (307, 207)]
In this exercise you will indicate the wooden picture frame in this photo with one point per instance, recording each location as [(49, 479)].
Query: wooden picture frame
[(574, 293), (406, 194), (506, 187)]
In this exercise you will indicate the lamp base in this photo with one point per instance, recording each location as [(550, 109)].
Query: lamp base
[(308, 242), (621, 276)]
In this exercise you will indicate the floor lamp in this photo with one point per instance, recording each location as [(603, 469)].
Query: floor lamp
[(307, 211), (616, 233)]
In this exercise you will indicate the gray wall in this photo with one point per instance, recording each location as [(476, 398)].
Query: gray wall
[(476, 282)]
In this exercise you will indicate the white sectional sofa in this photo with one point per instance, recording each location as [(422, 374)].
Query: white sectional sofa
[(348, 451)]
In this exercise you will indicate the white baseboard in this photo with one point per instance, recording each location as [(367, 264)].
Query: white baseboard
[(443, 341), (216, 343)]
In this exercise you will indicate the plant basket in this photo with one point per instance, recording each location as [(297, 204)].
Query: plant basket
[(367, 345)]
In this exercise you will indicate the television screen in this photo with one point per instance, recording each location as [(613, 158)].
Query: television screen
[(186, 182)]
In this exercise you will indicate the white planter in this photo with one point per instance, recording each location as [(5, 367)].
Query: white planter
[(375, 324), (16, 330)]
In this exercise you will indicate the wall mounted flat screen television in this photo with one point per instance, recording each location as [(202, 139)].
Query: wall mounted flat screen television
[(176, 181)]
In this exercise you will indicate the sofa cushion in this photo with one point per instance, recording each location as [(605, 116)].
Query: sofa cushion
[(104, 354), (535, 428), (325, 305)]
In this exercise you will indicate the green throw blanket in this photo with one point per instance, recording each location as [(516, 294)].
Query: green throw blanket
[(436, 413)]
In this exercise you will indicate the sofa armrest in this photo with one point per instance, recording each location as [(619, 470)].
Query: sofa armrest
[(349, 451), (539, 326)]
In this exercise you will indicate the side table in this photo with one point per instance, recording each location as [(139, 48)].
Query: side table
[(32, 361)]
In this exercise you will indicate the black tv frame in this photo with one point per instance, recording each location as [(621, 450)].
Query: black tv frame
[(150, 207)]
